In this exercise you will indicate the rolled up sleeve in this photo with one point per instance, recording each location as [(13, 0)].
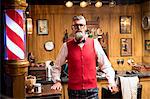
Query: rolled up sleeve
[(104, 63), (60, 60)]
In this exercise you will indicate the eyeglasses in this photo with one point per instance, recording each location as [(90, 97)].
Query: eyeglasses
[(76, 26)]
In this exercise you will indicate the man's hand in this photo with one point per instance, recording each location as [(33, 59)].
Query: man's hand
[(113, 89), (57, 86)]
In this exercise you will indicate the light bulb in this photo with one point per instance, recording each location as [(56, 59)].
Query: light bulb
[(69, 4), (112, 3), (83, 4), (98, 4)]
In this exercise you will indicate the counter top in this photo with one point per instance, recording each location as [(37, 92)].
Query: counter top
[(102, 77), (46, 92)]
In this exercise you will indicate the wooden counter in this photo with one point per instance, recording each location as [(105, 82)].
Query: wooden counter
[(144, 81), (101, 82), (47, 93)]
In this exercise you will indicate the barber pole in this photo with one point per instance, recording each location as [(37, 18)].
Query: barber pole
[(14, 35)]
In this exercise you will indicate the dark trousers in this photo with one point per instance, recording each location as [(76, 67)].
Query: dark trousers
[(83, 94)]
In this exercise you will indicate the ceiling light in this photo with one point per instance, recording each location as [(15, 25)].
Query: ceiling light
[(112, 3), (98, 4), (83, 4), (69, 4)]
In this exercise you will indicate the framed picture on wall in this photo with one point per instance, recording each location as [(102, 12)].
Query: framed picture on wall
[(125, 24), (126, 46), (42, 26), (147, 44)]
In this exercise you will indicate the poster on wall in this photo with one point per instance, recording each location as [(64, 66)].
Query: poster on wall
[(125, 24), (126, 46), (147, 44), (42, 26)]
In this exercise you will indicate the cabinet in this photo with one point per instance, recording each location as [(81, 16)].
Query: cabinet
[(65, 91), (145, 87), (144, 81)]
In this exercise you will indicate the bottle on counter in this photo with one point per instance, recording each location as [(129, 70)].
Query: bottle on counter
[(49, 65)]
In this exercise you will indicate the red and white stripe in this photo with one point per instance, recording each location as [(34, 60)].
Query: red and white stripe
[(15, 35)]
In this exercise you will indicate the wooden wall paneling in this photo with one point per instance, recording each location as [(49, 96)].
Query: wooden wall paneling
[(137, 40), (51, 36), (146, 33), (41, 39), (47, 55), (114, 37), (114, 40), (33, 41), (146, 7), (37, 46), (105, 23), (58, 28), (29, 43), (146, 59), (145, 88), (62, 19), (114, 45), (31, 38), (105, 27), (68, 23)]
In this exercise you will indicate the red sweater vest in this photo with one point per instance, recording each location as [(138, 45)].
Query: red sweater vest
[(81, 65)]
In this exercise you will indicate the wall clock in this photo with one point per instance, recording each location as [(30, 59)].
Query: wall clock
[(49, 45), (146, 22)]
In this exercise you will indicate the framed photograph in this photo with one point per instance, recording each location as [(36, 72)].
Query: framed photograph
[(147, 44), (126, 46), (42, 26), (125, 24), (93, 28)]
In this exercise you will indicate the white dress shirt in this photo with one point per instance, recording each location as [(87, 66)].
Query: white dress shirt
[(103, 62)]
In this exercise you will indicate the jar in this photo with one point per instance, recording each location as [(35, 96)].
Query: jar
[(37, 88)]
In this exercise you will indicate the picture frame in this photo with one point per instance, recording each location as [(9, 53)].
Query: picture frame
[(42, 26), (125, 24), (93, 27), (126, 47), (147, 44)]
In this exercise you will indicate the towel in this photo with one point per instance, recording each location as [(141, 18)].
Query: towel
[(129, 87)]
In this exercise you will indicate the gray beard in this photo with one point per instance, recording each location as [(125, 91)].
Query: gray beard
[(78, 36)]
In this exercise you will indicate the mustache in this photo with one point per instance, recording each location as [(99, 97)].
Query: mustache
[(78, 31)]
